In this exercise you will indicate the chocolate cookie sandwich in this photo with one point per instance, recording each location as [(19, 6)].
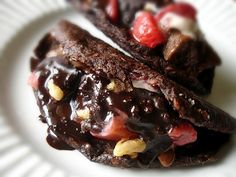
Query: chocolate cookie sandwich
[(116, 110), (160, 33)]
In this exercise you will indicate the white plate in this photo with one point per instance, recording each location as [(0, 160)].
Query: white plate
[(23, 149)]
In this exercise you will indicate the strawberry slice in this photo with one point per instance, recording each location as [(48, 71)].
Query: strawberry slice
[(183, 134), (115, 130), (146, 31), (112, 10), (183, 9), (33, 80)]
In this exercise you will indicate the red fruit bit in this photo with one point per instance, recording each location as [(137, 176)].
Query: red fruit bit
[(146, 31), (33, 80), (182, 9), (112, 10), (183, 134), (115, 130)]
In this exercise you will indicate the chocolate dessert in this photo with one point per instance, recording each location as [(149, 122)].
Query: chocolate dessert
[(116, 110), (162, 34)]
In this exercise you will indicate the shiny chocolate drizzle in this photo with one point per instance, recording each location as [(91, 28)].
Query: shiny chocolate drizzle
[(149, 114)]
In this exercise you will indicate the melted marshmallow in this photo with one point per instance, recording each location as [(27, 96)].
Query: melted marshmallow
[(184, 25)]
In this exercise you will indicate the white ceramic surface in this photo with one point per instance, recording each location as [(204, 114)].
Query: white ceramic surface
[(23, 149)]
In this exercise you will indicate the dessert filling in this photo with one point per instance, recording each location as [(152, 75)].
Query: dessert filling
[(152, 25)]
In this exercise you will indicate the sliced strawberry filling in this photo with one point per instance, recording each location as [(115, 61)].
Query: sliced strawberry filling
[(115, 130), (112, 10), (183, 134), (33, 80), (146, 31)]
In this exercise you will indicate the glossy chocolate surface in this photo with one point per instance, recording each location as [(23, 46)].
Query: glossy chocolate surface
[(148, 113)]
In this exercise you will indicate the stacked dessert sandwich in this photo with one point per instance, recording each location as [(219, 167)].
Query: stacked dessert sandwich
[(131, 112)]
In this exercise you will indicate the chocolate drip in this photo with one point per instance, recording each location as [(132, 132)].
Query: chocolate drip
[(87, 90), (148, 114), (56, 142)]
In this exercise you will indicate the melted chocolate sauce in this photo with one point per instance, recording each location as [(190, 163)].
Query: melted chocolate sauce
[(148, 113), (57, 114), (56, 142)]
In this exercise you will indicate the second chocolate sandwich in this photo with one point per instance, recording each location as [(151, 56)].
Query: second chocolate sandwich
[(160, 33)]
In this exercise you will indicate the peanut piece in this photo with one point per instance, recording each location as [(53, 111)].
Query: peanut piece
[(150, 7), (111, 86), (83, 113), (55, 91), (129, 147)]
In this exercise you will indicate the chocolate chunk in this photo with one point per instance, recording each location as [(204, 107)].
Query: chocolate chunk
[(181, 50)]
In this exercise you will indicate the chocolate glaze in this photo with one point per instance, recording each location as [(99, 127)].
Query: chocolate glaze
[(56, 142), (139, 104), (56, 114), (89, 90)]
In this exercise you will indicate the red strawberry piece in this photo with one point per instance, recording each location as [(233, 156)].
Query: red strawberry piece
[(112, 10), (146, 31), (183, 134), (33, 80), (115, 130), (182, 9)]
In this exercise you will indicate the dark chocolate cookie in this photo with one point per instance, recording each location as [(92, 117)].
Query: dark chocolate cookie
[(118, 111)]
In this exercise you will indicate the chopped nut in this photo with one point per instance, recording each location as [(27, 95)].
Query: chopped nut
[(167, 158), (150, 7), (129, 147), (133, 155), (55, 91), (52, 53), (179, 46), (118, 86), (111, 86), (83, 113), (55, 52)]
